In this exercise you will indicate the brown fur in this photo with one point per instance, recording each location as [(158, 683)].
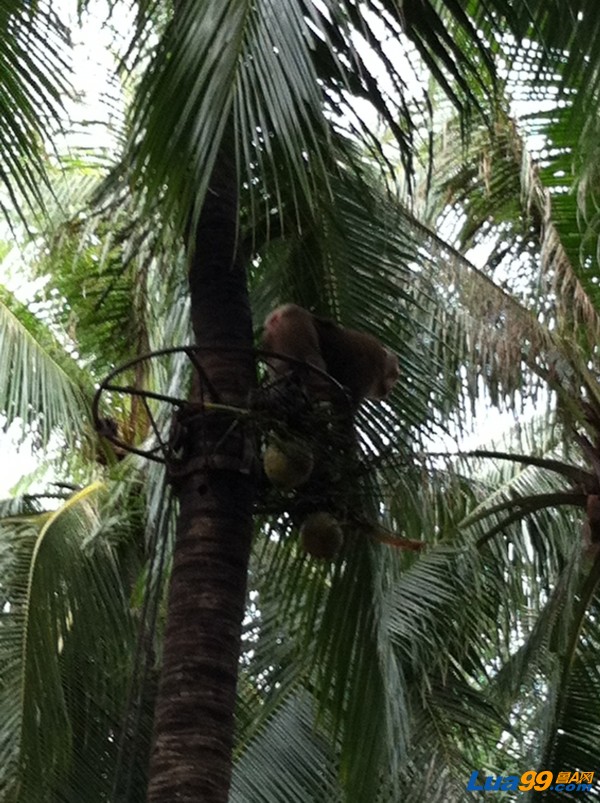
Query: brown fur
[(355, 359), (290, 330)]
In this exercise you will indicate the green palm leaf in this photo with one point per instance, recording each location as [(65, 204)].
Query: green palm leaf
[(38, 375), (62, 601)]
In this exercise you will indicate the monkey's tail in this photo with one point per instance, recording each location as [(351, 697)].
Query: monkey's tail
[(398, 542)]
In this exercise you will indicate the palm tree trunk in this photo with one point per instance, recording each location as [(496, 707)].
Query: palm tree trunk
[(194, 719)]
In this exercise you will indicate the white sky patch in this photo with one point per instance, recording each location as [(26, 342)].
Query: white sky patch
[(98, 107), (16, 458)]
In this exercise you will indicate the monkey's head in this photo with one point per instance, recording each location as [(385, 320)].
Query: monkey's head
[(387, 377), (276, 317), (272, 320), (108, 427), (275, 327)]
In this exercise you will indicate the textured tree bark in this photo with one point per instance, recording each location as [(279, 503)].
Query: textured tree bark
[(194, 718)]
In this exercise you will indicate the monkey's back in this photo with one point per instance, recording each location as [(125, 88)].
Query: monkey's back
[(355, 359)]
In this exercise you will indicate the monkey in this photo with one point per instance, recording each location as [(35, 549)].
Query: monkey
[(357, 360), (291, 330), (108, 429)]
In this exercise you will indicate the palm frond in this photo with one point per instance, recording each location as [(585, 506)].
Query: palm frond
[(578, 684), (63, 605), (38, 374), (281, 759), (263, 79), (505, 192), (34, 65)]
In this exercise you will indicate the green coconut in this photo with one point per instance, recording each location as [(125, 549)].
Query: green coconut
[(321, 535), (288, 464)]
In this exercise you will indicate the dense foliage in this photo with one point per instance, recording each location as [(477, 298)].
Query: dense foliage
[(427, 173)]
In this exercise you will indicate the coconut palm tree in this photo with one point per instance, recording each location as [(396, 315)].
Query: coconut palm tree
[(360, 677)]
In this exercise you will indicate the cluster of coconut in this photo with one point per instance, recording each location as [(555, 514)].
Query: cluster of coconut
[(288, 465)]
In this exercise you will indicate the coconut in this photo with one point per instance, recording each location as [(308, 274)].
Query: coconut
[(288, 464), (321, 535)]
